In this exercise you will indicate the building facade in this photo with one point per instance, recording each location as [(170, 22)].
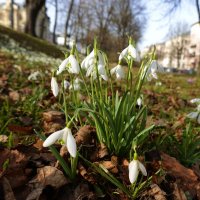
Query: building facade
[(181, 52), (19, 17)]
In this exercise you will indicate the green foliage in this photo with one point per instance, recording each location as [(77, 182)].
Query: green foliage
[(187, 148)]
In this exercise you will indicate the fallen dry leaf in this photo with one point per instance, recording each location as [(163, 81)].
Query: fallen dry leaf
[(7, 190), (103, 151), (14, 96), (85, 174), (178, 193), (46, 176), (83, 136), (186, 178), (154, 193)]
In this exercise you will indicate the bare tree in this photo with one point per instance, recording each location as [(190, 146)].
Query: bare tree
[(174, 4), (68, 19), (33, 7), (11, 14), (55, 20)]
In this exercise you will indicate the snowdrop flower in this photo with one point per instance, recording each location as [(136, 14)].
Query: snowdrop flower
[(89, 65), (33, 76), (66, 84), (130, 52), (195, 115), (118, 70), (139, 101), (153, 69), (134, 167), (76, 85), (71, 64), (196, 100), (66, 136), (54, 86)]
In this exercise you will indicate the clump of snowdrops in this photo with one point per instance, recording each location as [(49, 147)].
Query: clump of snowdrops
[(119, 115)]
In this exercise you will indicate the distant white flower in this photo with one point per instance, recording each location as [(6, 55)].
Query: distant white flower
[(70, 64), (33, 76), (139, 101), (66, 84), (89, 65), (196, 100), (195, 115), (134, 167), (66, 136), (130, 52), (153, 69), (118, 70), (76, 85), (54, 86)]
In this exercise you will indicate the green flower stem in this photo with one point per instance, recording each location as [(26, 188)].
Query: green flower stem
[(65, 103)]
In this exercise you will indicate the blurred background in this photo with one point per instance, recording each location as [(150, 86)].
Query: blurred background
[(172, 25)]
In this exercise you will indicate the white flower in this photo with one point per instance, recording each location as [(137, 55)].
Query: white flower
[(134, 167), (89, 65), (66, 84), (33, 76), (76, 85), (66, 136), (196, 100), (118, 70), (153, 69), (195, 115), (139, 101), (71, 64), (130, 52), (54, 86)]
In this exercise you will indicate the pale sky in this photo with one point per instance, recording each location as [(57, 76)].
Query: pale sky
[(157, 26)]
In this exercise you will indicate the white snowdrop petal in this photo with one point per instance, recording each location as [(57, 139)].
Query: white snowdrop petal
[(71, 144), (101, 69), (54, 86), (66, 84), (123, 53), (89, 70), (53, 138), (62, 66), (132, 51), (192, 115), (113, 70), (142, 168), (196, 100), (133, 171), (104, 77), (74, 68), (120, 72)]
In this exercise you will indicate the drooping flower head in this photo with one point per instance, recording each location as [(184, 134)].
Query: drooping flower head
[(54, 86), (89, 65), (195, 115), (153, 69), (70, 64), (134, 167), (67, 138), (118, 71), (130, 52)]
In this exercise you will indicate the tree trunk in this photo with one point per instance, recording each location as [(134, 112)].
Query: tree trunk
[(11, 14), (198, 9), (55, 21), (67, 20), (33, 7)]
